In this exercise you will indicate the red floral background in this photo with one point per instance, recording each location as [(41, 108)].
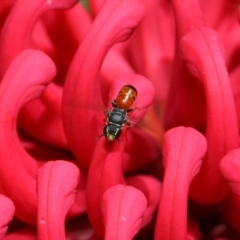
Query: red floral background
[(173, 174)]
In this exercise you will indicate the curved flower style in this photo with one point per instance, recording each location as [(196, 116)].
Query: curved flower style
[(56, 180), (173, 173), (36, 70), (6, 212), (217, 87), (21, 39), (183, 150), (148, 186), (230, 169), (122, 218), (104, 32)]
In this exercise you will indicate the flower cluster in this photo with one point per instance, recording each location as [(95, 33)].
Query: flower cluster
[(174, 172)]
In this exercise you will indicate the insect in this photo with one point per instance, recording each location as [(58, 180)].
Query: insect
[(117, 117)]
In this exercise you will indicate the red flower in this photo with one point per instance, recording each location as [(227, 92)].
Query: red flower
[(173, 168)]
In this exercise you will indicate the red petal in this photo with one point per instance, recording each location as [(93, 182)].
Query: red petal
[(185, 105), (12, 42), (21, 36), (105, 171), (56, 188), (188, 15), (230, 207), (123, 208), (114, 23), (7, 210), (152, 46), (183, 150), (203, 52), (35, 70), (151, 188)]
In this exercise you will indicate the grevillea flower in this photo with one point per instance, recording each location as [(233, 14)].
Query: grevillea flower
[(172, 173)]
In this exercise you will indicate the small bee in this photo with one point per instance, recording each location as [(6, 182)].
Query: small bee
[(117, 117)]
